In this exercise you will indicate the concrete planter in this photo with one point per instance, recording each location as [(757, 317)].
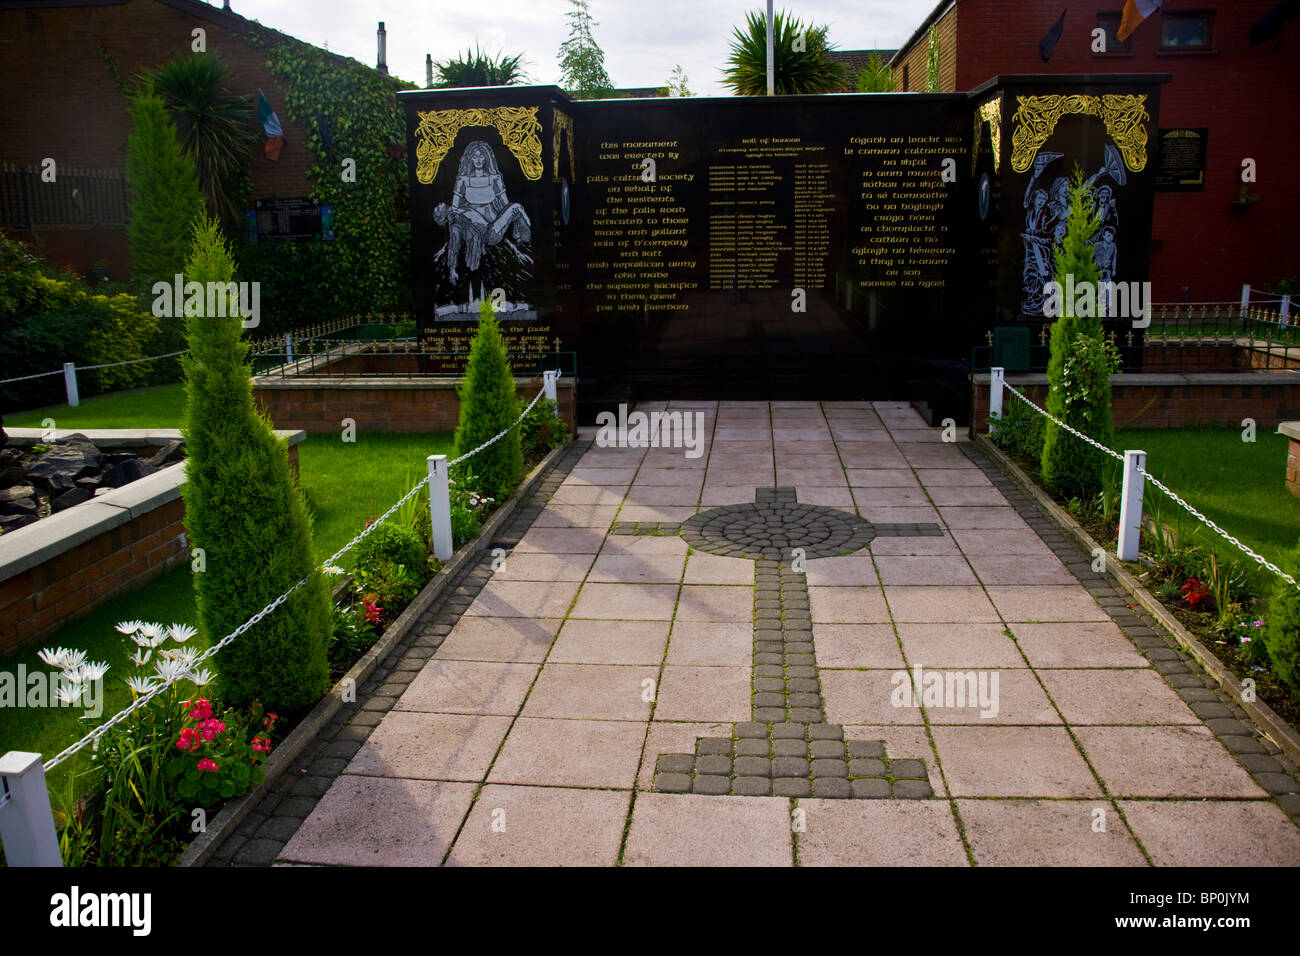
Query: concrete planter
[(62, 566)]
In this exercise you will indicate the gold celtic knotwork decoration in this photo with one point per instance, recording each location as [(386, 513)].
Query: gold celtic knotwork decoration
[(1125, 117), (991, 113), (561, 123), (517, 125)]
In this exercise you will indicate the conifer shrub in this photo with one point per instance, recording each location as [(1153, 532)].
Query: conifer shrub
[(1080, 363), (163, 197), (244, 510), (488, 406), (1282, 639)]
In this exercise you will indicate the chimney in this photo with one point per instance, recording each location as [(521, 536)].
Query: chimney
[(382, 66), (428, 71)]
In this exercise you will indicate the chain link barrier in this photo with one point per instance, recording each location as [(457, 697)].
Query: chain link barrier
[(1176, 498), (143, 699), (91, 368)]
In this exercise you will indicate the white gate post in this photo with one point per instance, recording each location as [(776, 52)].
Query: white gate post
[(26, 823), (1245, 299), (996, 380), (1130, 508), (70, 383), (288, 347), (440, 507), (548, 384), (1286, 309)]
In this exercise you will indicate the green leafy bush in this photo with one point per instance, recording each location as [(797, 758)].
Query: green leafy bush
[(467, 507), (243, 509), (1020, 429), (1282, 639), (394, 542), (1080, 364), (47, 319), (488, 406), (542, 428)]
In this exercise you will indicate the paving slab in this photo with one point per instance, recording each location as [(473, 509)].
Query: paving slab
[(671, 829), (879, 833), (1047, 833)]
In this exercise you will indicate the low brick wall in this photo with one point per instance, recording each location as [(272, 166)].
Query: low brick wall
[(36, 602), (317, 404), (1174, 400), (61, 567)]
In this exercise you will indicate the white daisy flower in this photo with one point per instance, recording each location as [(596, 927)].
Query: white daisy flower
[(72, 661), (129, 627), (201, 678), (55, 657), (168, 669), (92, 671), (331, 569), (69, 694), (180, 633), (141, 657), (185, 655), (139, 685)]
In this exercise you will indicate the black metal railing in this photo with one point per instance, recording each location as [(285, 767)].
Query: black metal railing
[(75, 197)]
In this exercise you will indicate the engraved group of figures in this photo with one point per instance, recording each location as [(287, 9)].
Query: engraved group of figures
[(1047, 214)]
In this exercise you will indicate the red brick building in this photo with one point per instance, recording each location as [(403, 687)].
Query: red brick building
[(1246, 97), (62, 102)]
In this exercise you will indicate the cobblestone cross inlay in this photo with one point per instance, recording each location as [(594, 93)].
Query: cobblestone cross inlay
[(787, 749)]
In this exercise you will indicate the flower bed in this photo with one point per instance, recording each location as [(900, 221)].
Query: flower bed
[(181, 759), (1216, 593)]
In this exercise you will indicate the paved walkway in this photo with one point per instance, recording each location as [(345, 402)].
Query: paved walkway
[(654, 677)]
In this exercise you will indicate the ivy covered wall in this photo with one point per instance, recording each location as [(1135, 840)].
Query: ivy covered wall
[(349, 112)]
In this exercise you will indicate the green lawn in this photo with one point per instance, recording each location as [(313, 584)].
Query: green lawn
[(158, 407), (1239, 485), (345, 484)]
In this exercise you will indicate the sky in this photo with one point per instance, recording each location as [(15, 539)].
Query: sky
[(642, 40)]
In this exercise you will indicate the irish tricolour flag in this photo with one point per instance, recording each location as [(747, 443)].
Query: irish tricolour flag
[(271, 123), (1135, 11)]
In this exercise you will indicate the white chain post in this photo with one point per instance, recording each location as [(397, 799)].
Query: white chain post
[(26, 823), (1130, 508), (1245, 299), (288, 348), (1286, 310), (440, 507), (548, 384), (70, 383), (996, 379)]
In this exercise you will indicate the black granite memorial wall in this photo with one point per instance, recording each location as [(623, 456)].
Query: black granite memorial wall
[(845, 246)]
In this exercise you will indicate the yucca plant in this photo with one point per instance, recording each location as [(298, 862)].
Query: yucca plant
[(476, 68), (213, 127), (803, 70)]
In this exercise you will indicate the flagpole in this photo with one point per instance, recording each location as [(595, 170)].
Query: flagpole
[(771, 55)]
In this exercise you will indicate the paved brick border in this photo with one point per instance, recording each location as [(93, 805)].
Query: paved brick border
[(1222, 714), (788, 749), (272, 822)]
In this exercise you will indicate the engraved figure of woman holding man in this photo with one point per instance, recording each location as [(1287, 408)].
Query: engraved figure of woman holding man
[(480, 214)]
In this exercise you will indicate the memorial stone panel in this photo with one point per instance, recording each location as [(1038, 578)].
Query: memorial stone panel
[(825, 246)]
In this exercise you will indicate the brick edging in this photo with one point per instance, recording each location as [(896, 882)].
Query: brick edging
[(228, 819), (1265, 719)]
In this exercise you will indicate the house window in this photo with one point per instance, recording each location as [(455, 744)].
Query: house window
[(1110, 22), (1186, 31)]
